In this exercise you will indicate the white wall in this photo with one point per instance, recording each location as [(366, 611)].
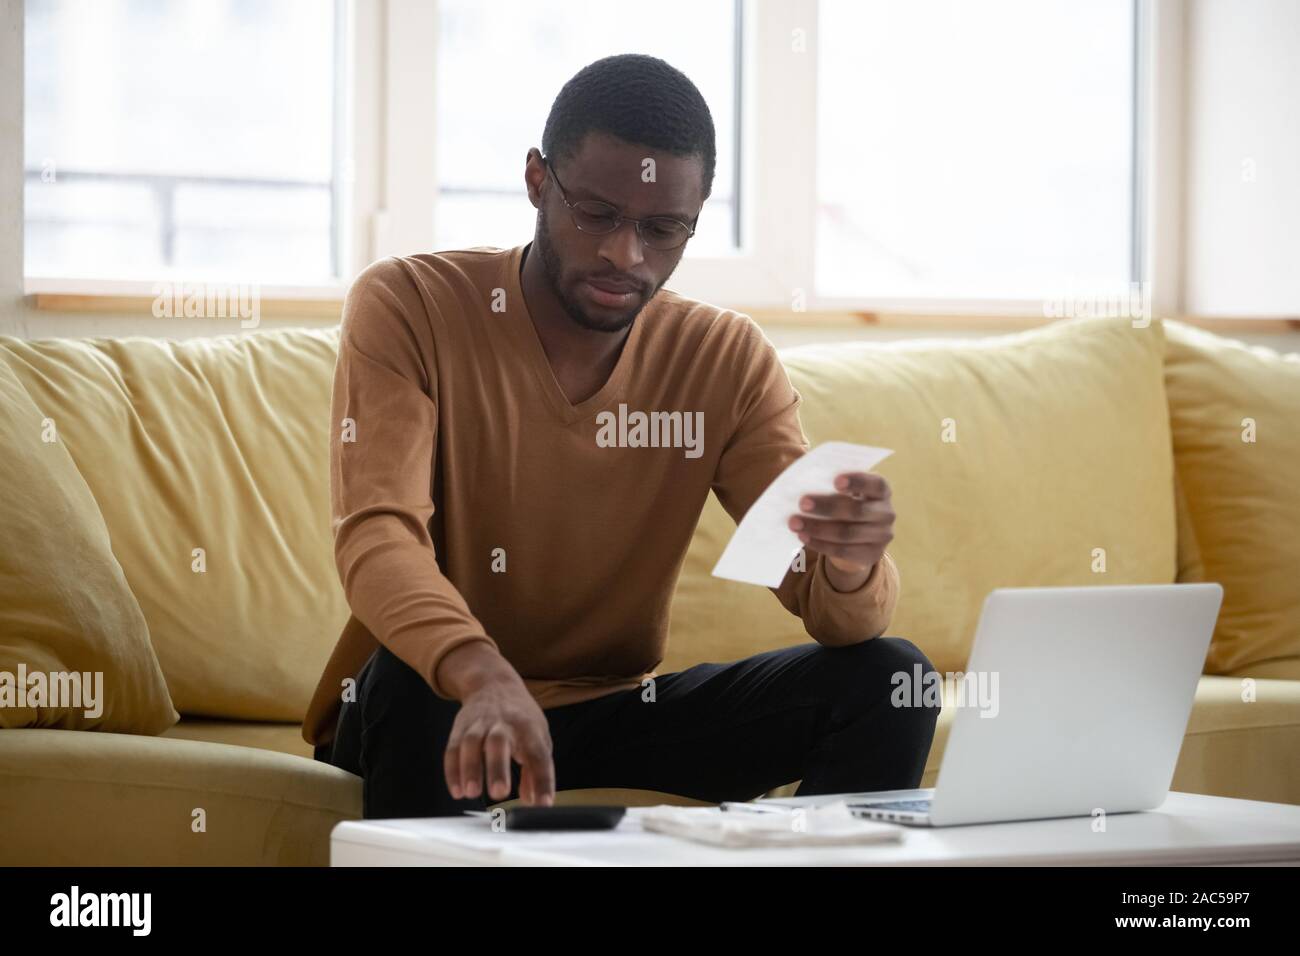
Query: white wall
[(11, 165)]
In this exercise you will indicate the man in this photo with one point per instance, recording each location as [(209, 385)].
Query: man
[(510, 567)]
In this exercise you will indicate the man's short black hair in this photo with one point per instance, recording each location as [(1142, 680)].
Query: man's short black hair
[(639, 99)]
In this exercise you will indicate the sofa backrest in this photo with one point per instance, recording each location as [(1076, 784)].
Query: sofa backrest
[(209, 461), (1031, 459), (1235, 419)]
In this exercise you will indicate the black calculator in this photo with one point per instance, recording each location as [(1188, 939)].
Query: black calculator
[(594, 817)]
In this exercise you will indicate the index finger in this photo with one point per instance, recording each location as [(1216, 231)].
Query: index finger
[(863, 484), (537, 772)]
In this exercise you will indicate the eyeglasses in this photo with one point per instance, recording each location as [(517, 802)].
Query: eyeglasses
[(600, 219)]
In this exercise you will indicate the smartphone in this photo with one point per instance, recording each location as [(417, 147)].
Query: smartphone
[(594, 817)]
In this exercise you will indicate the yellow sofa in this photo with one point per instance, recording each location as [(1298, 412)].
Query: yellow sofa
[(1083, 452)]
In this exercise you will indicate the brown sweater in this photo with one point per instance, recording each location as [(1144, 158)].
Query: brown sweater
[(473, 502)]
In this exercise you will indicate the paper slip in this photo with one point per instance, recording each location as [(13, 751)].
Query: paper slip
[(829, 824), (763, 546)]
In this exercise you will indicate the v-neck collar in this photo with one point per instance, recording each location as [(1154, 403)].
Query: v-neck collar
[(547, 383)]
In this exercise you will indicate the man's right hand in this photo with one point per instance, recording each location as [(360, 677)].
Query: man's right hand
[(498, 721)]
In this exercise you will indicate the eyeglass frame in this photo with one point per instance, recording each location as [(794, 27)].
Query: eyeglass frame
[(619, 218)]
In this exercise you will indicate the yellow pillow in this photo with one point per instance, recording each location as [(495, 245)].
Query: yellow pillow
[(209, 459), (65, 607), (1059, 467), (1235, 413)]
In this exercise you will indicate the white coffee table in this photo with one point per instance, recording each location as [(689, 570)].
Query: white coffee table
[(1186, 829)]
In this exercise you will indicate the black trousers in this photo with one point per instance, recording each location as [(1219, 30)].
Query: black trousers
[(714, 732)]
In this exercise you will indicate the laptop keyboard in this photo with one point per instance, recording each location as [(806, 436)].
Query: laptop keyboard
[(916, 806)]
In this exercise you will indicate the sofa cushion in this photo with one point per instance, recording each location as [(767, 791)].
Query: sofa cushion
[(1242, 740), (262, 807), (1235, 415), (283, 738), (258, 808), (65, 607), (1020, 460), (209, 460)]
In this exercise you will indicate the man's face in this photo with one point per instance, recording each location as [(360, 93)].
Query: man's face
[(611, 170)]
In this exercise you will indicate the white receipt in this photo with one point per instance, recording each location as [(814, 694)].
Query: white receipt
[(763, 546)]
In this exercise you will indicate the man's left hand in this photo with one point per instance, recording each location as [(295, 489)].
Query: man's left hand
[(851, 528)]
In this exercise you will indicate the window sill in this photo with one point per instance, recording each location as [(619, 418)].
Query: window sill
[(130, 296), (119, 296), (992, 322)]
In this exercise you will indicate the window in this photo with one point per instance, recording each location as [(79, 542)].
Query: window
[(887, 155), (192, 136), (500, 66), (974, 150)]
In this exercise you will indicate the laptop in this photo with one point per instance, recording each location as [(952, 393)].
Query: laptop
[(1075, 702)]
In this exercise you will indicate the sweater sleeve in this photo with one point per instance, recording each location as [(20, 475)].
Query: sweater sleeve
[(383, 443), (768, 436)]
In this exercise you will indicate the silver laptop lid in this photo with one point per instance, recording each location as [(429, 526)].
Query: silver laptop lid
[(1075, 701)]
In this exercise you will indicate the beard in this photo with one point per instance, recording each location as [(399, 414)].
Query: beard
[(551, 266)]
